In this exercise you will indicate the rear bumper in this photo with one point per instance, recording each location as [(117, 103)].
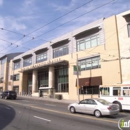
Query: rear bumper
[(110, 112)]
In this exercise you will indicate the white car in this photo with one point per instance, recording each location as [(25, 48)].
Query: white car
[(97, 107)]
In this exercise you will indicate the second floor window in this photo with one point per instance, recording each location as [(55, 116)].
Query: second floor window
[(16, 77), (17, 65), (89, 63), (41, 57), (128, 26), (27, 61), (88, 42), (60, 51)]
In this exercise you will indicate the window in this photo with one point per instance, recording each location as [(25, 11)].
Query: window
[(91, 102), (89, 90), (126, 91), (128, 27), (61, 79), (41, 57), (16, 77), (83, 102), (1, 80), (88, 42), (27, 61), (16, 65), (90, 63), (116, 91), (60, 51), (104, 91), (102, 101)]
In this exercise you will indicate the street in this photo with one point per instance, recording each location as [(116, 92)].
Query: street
[(26, 114)]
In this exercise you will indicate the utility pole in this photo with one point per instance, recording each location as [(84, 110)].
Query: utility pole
[(77, 78)]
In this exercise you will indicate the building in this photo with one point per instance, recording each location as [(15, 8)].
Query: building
[(48, 70), (6, 71), (123, 25)]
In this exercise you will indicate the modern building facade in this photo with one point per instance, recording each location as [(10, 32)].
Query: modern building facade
[(48, 70)]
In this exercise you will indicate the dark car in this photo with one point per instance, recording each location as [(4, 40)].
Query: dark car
[(9, 95)]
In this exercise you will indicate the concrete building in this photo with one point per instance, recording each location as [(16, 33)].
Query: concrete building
[(48, 70), (123, 25), (6, 71)]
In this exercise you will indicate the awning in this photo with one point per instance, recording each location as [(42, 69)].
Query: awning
[(41, 50), (91, 81), (87, 32), (59, 43)]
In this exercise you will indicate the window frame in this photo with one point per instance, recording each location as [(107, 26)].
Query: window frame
[(57, 52), (89, 40)]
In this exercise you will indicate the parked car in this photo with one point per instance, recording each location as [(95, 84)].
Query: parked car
[(97, 107), (9, 95)]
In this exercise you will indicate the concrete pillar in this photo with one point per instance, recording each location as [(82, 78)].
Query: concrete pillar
[(34, 81), (21, 84), (51, 79)]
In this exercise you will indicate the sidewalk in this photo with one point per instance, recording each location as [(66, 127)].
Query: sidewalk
[(48, 99)]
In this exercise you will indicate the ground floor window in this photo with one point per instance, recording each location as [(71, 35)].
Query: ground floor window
[(89, 90), (61, 79), (43, 79)]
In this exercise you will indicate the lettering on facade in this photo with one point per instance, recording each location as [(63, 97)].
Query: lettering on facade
[(50, 62)]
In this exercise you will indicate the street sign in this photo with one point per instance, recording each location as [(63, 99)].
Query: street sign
[(75, 70)]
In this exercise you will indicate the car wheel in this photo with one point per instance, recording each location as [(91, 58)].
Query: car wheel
[(72, 109), (120, 107), (97, 113)]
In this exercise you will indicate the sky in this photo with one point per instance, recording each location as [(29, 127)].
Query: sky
[(26, 24)]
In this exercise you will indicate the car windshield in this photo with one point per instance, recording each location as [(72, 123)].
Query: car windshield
[(102, 101)]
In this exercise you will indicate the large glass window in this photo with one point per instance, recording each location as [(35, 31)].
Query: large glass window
[(43, 79), (16, 65), (116, 91), (60, 51), (89, 63), (27, 61), (41, 57), (61, 79), (128, 26), (88, 42)]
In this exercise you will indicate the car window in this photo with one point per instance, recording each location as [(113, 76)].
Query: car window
[(83, 102), (102, 101), (90, 101)]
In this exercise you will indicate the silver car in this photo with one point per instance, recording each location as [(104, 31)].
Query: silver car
[(97, 107)]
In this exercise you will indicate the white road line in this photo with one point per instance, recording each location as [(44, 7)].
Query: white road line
[(7, 108), (42, 118), (50, 105)]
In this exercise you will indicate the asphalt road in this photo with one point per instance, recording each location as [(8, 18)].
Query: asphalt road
[(25, 114)]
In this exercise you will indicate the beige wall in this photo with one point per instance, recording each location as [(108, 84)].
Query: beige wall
[(124, 42)]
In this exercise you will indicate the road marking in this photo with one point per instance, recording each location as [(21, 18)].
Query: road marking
[(50, 105), (64, 113), (42, 118), (7, 108)]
